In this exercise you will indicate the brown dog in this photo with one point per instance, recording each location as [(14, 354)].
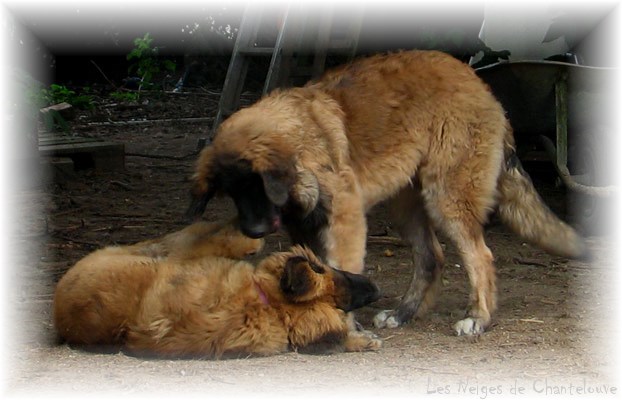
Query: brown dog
[(154, 298), (201, 239), (417, 129)]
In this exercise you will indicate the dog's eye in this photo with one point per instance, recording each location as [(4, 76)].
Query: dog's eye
[(318, 269)]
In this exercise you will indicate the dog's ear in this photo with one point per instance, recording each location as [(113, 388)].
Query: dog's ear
[(277, 185), (306, 191), (299, 183), (203, 184), (300, 280), (198, 203)]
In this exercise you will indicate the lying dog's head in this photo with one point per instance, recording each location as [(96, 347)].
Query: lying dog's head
[(304, 278)]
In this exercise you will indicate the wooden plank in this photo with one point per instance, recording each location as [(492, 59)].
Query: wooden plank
[(52, 135), (97, 154), (65, 140), (70, 148), (48, 137)]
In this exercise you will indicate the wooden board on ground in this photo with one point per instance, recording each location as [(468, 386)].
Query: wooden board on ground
[(85, 152)]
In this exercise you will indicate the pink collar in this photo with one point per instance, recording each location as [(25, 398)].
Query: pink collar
[(262, 294)]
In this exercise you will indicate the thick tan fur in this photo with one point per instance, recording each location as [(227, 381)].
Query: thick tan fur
[(100, 294), (188, 306), (370, 131), (198, 240), (536, 224)]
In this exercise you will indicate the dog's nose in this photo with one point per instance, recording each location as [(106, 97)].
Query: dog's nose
[(257, 230), (254, 232)]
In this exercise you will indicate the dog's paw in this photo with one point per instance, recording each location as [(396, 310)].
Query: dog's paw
[(470, 327), (362, 341), (373, 345), (386, 319)]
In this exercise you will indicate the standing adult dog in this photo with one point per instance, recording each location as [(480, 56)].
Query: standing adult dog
[(418, 129), (172, 297)]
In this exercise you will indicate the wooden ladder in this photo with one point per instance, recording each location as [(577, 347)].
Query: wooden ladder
[(303, 34)]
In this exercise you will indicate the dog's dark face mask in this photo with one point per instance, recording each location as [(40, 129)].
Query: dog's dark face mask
[(258, 215), (354, 291), (259, 196), (304, 280)]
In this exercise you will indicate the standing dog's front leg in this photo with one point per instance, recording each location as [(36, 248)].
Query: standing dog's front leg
[(346, 234)]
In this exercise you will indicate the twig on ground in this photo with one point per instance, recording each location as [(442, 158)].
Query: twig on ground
[(104, 75), (386, 240), (74, 240), (160, 156), (123, 185), (151, 121), (537, 321), (525, 261)]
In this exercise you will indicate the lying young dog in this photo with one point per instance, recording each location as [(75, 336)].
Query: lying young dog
[(159, 298)]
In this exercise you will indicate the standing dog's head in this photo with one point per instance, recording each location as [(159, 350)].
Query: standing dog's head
[(253, 161), (304, 278), (258, 195)]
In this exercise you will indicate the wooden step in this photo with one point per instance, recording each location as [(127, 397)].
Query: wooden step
[(84, 152)]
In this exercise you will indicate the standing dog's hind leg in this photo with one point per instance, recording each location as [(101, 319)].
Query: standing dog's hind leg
[(410, 219), (478, 262)]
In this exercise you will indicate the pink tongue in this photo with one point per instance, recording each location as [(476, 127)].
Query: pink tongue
[(276, 223)]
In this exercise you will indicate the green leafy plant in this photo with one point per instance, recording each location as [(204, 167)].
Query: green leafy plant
[(61, 94), (130, 97), (39, 97), (147, 62)]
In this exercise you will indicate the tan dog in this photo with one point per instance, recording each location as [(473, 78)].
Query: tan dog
[(154, 298), (418, 129), (201, 239), (98, 296)]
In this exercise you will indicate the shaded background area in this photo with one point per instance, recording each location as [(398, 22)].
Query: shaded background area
[(57, 39), (557, 318), (87, 45)]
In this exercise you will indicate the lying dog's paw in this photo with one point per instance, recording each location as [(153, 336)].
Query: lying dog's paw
[(469, 327), (362, 341), (386, 319), (373, 345)]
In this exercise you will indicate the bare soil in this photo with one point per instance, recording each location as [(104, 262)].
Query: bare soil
[(554, 331)]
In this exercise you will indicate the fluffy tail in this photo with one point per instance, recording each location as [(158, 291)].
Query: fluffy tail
[(523, 211)]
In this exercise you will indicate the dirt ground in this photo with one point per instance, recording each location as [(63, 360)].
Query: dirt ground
[(554, 332)]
